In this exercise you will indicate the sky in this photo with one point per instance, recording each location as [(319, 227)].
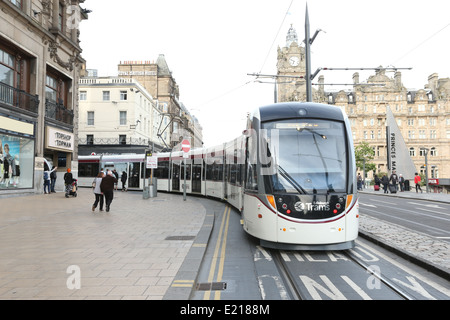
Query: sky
[(212, 45)]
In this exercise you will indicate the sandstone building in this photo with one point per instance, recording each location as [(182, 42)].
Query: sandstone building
[(423, 116), (40, 60)]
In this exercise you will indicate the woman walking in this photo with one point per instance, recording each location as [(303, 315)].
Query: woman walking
[(98, 193)]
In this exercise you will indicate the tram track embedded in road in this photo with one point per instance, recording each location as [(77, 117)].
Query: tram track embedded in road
[(378, 275), (286, 276)]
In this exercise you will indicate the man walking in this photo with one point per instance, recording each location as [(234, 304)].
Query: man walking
[(107, 187)]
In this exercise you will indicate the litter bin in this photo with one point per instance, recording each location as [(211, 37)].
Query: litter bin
[(146, 194), (407, 188)]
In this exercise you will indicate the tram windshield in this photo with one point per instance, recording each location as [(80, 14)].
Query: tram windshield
[(307, 156)]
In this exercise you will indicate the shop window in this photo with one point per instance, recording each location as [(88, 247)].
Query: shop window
[(16, 162), (62, 159)]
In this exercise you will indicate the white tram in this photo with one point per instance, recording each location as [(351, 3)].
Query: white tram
[(292, 175)]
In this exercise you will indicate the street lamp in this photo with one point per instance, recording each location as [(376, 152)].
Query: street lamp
[(425, 151)]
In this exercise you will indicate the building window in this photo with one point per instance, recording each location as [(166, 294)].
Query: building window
[(411, 134), (123, 118), (90, 118), (421, 107), (90, 139), (410, 122), (106, 95), (122, 139), (422, 134), (51, 88), (83, 95), (17, 3), (123, 95), (432, 134), (433, 152), (61, 17), (412, 152)]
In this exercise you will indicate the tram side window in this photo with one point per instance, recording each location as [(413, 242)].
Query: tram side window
[(251, 182), (88, 169), (214, 172), (163, 170), (218, 172)]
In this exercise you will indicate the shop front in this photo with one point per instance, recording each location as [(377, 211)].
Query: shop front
[(59, 148), (17, 145)]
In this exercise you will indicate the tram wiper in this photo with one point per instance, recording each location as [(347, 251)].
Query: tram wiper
[(324, 137), (291, 180)]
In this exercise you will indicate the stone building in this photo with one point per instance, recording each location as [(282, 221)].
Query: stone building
[(157, 78), (423, 116), (117, 115), (39, 70)]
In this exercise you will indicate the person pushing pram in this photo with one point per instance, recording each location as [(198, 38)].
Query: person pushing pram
[(70, 184)]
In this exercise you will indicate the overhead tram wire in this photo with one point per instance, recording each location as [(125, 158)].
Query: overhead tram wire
[(420, 44), (276, 36)]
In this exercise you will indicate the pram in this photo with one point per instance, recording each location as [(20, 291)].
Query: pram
[(71, 189)]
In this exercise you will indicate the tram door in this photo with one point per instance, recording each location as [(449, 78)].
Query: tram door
[(196, 178), (176, 177), (133, 174)]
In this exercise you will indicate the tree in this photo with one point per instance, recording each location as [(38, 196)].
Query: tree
[(364, 152)]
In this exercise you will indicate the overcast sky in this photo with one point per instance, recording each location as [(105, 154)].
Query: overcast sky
[(211, 45)]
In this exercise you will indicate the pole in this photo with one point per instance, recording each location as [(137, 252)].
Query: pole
[(308, 58), (184, 186), (426, 169)]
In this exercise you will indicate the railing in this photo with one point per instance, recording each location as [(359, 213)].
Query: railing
[(17, 98), (57, 111), (113, 141)]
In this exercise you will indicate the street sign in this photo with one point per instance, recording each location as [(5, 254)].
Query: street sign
[(185, 145), (152, 162)]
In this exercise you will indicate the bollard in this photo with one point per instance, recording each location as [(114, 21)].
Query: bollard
[(145, 194)]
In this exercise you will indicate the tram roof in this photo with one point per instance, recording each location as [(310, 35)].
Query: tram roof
[(289, 110)]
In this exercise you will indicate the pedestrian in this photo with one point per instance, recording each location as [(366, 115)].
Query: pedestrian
[(117, 178), (394, 179), (359, 182), (377, 183), (68, 180), (401, 182), (53, 179), (417, 182), (385, 183), (124, 181), (97, 191), (107, 187), (47, 174)]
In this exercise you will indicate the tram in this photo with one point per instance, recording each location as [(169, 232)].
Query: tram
[(292, 175)]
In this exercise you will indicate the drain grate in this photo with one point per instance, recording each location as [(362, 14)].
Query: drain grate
[(180, 238), (207, 286)]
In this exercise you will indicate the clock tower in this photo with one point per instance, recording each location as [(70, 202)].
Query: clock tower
[(291, 62)]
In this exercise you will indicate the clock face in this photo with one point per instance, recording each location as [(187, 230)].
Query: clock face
[(294, 61)]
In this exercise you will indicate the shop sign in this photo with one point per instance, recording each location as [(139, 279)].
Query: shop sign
[(58, 139)]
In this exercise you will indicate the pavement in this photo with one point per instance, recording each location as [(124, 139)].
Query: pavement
[(54, 247), (147, 249)]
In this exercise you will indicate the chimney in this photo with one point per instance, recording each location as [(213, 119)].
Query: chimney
[(398, 78), (356, 78), (433, 81)]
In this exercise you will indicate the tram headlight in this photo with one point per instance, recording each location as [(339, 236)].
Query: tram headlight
[(349, 201), (271, 200)]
